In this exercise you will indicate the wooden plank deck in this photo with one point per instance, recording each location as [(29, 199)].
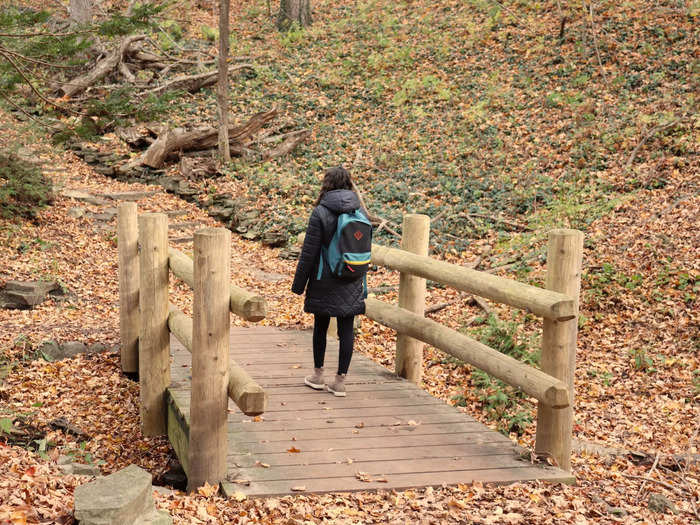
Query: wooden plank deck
[(386, 433)]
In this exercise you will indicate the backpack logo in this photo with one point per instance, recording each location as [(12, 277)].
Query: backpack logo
[(358, 235)]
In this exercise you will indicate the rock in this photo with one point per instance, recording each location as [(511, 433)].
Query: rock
[(72, 348), (76, 213), (107, 215), (49, 350), (617, 511), (170, 184), (83, 196), (660, 503), (23, 295), (290, 253), (82, 469), (157, 517), (118, 499), (97, 348), (64, 460), (129, 195), (52, 351), (274, 239)]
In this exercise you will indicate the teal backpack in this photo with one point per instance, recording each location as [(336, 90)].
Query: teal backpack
[(348, 254)]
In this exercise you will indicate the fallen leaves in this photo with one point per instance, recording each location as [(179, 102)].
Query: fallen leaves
[(293, 450)]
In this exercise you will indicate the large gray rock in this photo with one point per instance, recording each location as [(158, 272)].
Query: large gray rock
[(157, 517), (83, 196), (52, 351), (122, 498), (23, 295)]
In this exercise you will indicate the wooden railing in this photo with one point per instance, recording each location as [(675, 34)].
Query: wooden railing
[(553, 385), (147, 320)]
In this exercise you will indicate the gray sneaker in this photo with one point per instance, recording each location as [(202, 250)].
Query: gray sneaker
[(337, 387), (315, 381)]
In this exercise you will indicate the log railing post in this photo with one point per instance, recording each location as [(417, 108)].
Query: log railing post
[(555, 425), (409, 352), (210, 354), (154, 337), (127, 245)]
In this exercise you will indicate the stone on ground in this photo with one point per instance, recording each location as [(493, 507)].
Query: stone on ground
[(23, 295), (122, 498)]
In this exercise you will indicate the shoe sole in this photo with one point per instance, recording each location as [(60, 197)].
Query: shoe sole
[(315, 386), (336, 394)]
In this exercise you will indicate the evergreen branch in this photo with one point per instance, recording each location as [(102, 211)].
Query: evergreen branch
[(19, 70), (34, 60)]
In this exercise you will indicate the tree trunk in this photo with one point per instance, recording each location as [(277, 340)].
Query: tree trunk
[(291, 11), (81, 11), (222, 85)]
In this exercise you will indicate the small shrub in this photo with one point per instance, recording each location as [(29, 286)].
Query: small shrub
[(23, 189), (504, 404)]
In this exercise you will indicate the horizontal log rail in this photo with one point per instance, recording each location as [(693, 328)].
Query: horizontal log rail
[(245, 304), (248, 395), (543, 387), (545, 303)]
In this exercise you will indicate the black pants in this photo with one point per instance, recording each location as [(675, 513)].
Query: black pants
[(345, 334)]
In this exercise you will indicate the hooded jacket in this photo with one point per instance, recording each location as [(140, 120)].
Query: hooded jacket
[(329, 295)]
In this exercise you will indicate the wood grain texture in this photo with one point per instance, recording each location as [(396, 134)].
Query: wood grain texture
[(555, 425), (532, 381), (386, 427), (154, 337), (128, 238), (545, 303), (210, 353), (245, 304), (409, 351)]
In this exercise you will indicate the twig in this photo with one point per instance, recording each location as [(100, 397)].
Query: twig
[(501, 220), (653, 467), (372, 217), (35, 90), (658, 482), (646, 137), (19, 108), (595, 42)]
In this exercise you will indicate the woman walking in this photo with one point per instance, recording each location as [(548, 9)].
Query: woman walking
[(331, 268)]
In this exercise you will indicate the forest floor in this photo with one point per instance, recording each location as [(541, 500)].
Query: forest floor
[(464, 109)]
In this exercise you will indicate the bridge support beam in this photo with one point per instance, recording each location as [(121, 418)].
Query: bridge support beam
[(415, 238), (555, 425)]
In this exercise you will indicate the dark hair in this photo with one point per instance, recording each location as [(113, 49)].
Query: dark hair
[(337, 178)]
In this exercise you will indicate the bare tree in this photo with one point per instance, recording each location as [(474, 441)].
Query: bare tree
[(222, 85), (291, 11)]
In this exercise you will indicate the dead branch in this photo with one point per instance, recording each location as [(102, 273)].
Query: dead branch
[(374, 219), (126, 72), (178, 139), (499, 219), (193, 83), (101, 70), (677, 490), (646, 137), (595, 42), (22, 73), (292, 141)]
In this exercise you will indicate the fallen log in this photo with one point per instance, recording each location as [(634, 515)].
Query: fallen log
[(101, 69), (179, 139), (291, 141), (193, 83)]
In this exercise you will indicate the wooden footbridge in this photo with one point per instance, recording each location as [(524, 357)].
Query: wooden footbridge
[(233, 403)]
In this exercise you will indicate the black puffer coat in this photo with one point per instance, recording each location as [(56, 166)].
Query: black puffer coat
[(329, 295)]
